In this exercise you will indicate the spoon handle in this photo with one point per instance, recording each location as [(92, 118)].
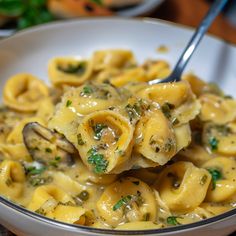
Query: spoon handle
[(215, 9)]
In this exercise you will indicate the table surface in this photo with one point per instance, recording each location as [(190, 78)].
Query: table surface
[(181, 11), (190, 13)]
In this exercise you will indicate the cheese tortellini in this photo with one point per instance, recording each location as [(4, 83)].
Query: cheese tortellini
[(128, 199), (23, 92), (177, 185), (100, 147)]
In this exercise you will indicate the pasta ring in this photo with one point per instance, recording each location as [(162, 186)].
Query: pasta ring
[(177, 184), (23, 92)]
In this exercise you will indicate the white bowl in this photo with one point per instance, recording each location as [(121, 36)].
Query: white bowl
[(30, 50)]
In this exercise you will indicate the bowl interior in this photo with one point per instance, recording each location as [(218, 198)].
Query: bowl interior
[(30, 50)]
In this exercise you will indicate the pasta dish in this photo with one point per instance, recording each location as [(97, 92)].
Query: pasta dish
[(100, 147)]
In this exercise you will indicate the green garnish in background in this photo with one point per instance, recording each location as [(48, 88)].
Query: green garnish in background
[(27, 12)]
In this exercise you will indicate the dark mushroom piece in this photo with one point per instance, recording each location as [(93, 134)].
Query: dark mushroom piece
[(48, 147)]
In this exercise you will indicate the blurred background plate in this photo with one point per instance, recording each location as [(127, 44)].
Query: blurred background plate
[(142, 9)]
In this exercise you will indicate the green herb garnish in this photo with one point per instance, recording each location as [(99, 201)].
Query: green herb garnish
[(97, 160), (216, 175), (133, 111), (213, 142), (172, 220), (40, 181), (203, 179), (68, 103), (49, 150), (98, 129), (80, 141), (87, 90), (73, 69), (32, 170), (166, 109), (40, 211), (55, 162), (122, 202)]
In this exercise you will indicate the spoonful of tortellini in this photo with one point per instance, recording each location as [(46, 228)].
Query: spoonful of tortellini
[(175, 76)]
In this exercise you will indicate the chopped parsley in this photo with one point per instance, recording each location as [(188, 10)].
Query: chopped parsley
[(124, 201), (127, 200), (80, 141), (87, 90), (133, 111), (55, 162), (98, 129), (97, 160), (203, 179), (40, 211), (166, 109), (213, 142), (216, 175), (49, 150), (78, 69), (172, 220), (169, 145), (68, 103), (32, 170), (40, 180)]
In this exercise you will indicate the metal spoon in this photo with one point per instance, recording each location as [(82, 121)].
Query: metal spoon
[(215, 9)]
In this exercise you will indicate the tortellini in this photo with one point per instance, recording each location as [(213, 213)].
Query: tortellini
[(23, 92), (47, 198), (217, 109), (69, 71), (77, 102), (156, 69), (177, 186), (157, 138), (180, 108), (103, 148), (127, 200), (15, 152), (223, 171), (51, 201), (16, 134), (220, 138), (12, 178), (104, 140), (131, 75), (114, 58)]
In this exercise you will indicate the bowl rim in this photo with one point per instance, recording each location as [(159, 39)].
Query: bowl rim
[(100, 231), (147, 20)]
